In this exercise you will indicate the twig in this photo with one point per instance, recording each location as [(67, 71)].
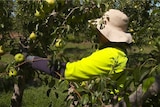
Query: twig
[(69, 14), (75, 91)]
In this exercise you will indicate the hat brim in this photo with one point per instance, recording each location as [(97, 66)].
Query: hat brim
[(110, 32)]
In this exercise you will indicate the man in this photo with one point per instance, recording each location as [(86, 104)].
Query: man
[(110, 59)]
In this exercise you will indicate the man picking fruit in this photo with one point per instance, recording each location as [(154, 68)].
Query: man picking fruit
[(111, 58)]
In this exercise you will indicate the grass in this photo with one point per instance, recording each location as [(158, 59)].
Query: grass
[(34, 97), (5, 99)]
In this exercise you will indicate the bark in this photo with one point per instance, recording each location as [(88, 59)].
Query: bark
[(16, 100), (138, 97)]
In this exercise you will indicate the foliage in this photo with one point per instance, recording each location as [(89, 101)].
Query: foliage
[(67, 21), (6, 17)]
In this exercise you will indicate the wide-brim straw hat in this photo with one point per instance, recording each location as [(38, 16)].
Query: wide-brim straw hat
[(113, 25)]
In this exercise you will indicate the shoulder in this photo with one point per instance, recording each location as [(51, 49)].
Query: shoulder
[(110, 50)]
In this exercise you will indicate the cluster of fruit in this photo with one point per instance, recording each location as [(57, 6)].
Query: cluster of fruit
[(49, 4), (58, 44), (19, 57)]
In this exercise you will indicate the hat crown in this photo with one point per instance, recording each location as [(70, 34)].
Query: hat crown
[(117, 19), (113, 26)]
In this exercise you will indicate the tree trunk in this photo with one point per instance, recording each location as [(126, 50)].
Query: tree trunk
[(16, 100), (137, 98)]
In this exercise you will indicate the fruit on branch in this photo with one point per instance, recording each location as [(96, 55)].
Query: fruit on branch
[(59, 43), (50, 2), (12, 72), (39, 14), (32, 36), (1, 50), (131, 30), (19, 57)]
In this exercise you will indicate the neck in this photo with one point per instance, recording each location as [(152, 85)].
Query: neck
[(121, 46)]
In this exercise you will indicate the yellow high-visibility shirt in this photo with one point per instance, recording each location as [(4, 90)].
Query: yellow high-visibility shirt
[(102, 62)]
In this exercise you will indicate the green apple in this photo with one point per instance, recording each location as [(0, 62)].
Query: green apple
[(12, 72), (37, 13), (97, 80), (32, 36), (19, 57), (135, 6), (59, 43), (50, 2), (83, 83), (131, 30), (1, 50)]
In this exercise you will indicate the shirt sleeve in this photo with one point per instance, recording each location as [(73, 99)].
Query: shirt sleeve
[(102, 62)]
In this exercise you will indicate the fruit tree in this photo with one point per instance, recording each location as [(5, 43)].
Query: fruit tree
[(45, 27)]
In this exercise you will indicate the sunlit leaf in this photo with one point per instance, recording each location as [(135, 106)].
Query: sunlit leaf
[(147, 83)]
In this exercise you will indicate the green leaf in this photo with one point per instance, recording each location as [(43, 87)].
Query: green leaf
[(93, 99), (48, 92), (147, 83), (56, 94), (85, 99), (51, 83)]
